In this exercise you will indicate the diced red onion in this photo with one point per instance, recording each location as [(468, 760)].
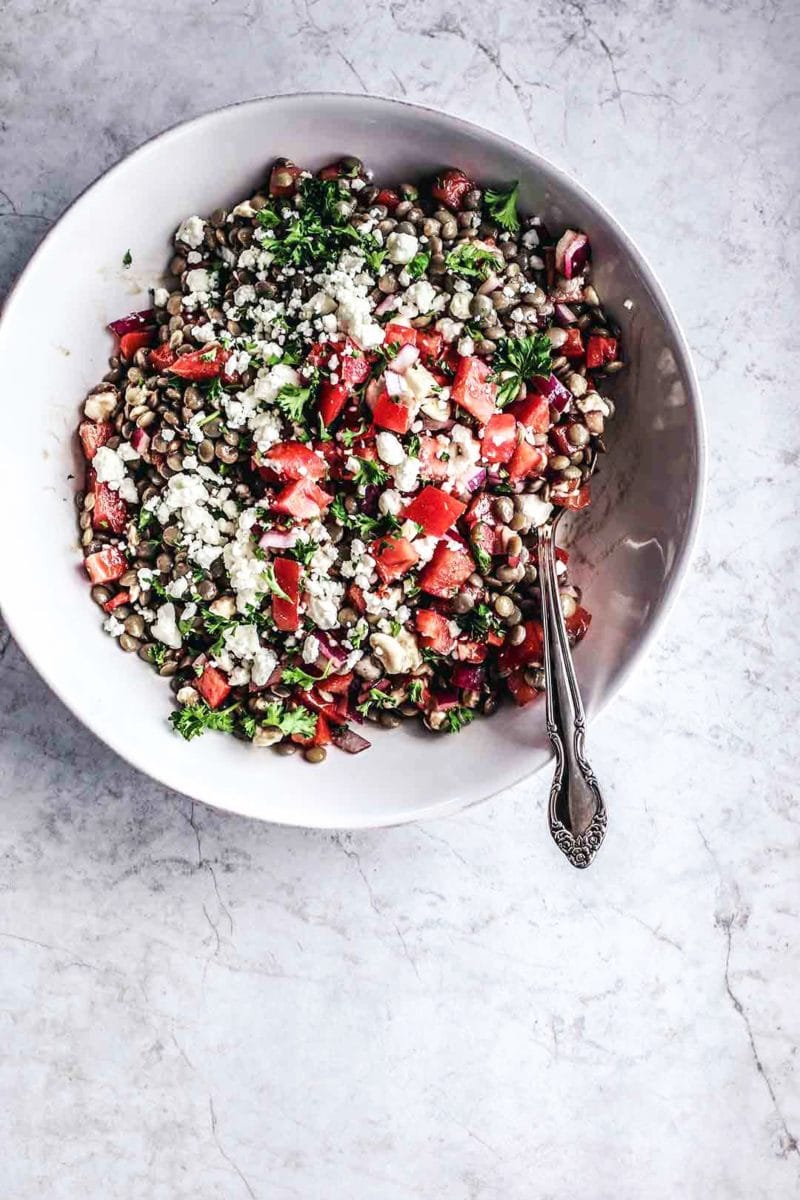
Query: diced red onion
[(350, 741), (444, 700), (477, 481), (406, 357), (140, 440), (386, 305), (374, 389), (467, 675), (394, 383), (330, 650), (565, 315), (279, 539), (553, 389), (572, 253), (437, 426), (137, 320)]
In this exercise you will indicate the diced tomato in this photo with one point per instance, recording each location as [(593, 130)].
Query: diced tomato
[(320, 737), (161, 357), (293, 460), (332, 399), (499, 438), (110, 510), (93, 435), (279, 186), (579, 499), (334, 456), (285, 610), (530, 651), (304, 500), (578, 623), (353, 369), (471, 652), (430, 346), (338, 685), (400, 335), (533, 412), (434, 510), (393, 557), (480, 509), (472, 389), (355, 595), (430, 465), (434, 630), (106, 565), (522, 691), (573, 346), (600, 350), (332, 171), (116, 601), (391, 414), (335, 709), (389, 198), (212, 686), (445, 572), (129, 343), (526, 460), (200, 364), (320, 352), (450, 188)]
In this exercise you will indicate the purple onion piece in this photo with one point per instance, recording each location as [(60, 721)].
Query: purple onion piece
[(564, 315), (468, 675), (477, 481), (553, 389), (330, 650), (279, 539), (445, 700), (350, 741), (576, 255), (133, 321)]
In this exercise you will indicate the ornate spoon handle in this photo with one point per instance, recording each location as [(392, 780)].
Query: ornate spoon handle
[(577, 814)]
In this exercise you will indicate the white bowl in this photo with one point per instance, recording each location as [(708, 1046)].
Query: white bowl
[(630, 550)]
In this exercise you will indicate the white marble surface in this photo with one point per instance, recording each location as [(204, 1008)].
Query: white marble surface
[(196, 1006)]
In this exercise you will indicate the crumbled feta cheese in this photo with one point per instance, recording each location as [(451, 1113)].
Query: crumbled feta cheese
[(109, 467), (390, 502), (264, 663), (534, 510), (204, 333), (113, 626), (199, 280), (311, 649), (160, 297), (401, 247), (406, 474), (165, 629), (191, 231), (420, 295), (390, 449), (425, 547)]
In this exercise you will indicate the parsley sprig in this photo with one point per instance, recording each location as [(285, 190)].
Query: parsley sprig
[(292, 401), (290, 720), (457, 718), (369, 471), (516, 360), (472, 260), (195, 719), (501, 205)]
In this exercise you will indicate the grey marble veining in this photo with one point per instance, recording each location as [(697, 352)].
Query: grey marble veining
[(192, 1005)]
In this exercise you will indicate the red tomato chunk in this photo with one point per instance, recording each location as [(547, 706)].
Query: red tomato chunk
[(212, 686), (434, 510)]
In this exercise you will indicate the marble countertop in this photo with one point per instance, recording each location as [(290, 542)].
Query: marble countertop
[(193, 1005)]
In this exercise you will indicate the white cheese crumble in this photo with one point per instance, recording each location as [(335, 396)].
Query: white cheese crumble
[(401, 247), (164, 628), (191, 231)]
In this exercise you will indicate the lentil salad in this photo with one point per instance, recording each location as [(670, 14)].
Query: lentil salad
[(316, 466)]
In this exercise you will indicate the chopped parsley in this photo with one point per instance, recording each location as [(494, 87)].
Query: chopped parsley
[(516, 360), (375, 697), (157, 653), (472, 260), (127, 259), (364, 525), (412, 447), (348, 436), (290, 720), (292, 400), (297, 677), (146, 515), (419, 264), (317, 232), (415, 691), (304, 551), (482, 558), (457, 718), (193, 720), (501, 205), (369, 471), (479, 621)]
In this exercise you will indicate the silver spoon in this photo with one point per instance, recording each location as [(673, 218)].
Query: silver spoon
[(576, 813)]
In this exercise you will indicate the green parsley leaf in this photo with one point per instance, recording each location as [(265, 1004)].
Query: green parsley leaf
[(415, 691), (297, 677), (268, 576), (479, 621), (412, 446), (348, 436), (472, 260), (457, 718), (195, 719), (358, 633), (157, 653), (516, 360), (419, 264), (215, 393), (267, 218), (290, 720), (369, 471), (249, 725), (146, 515), (304, 551), (292, 400), (127, 259), (482, 558), (501, 205)]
